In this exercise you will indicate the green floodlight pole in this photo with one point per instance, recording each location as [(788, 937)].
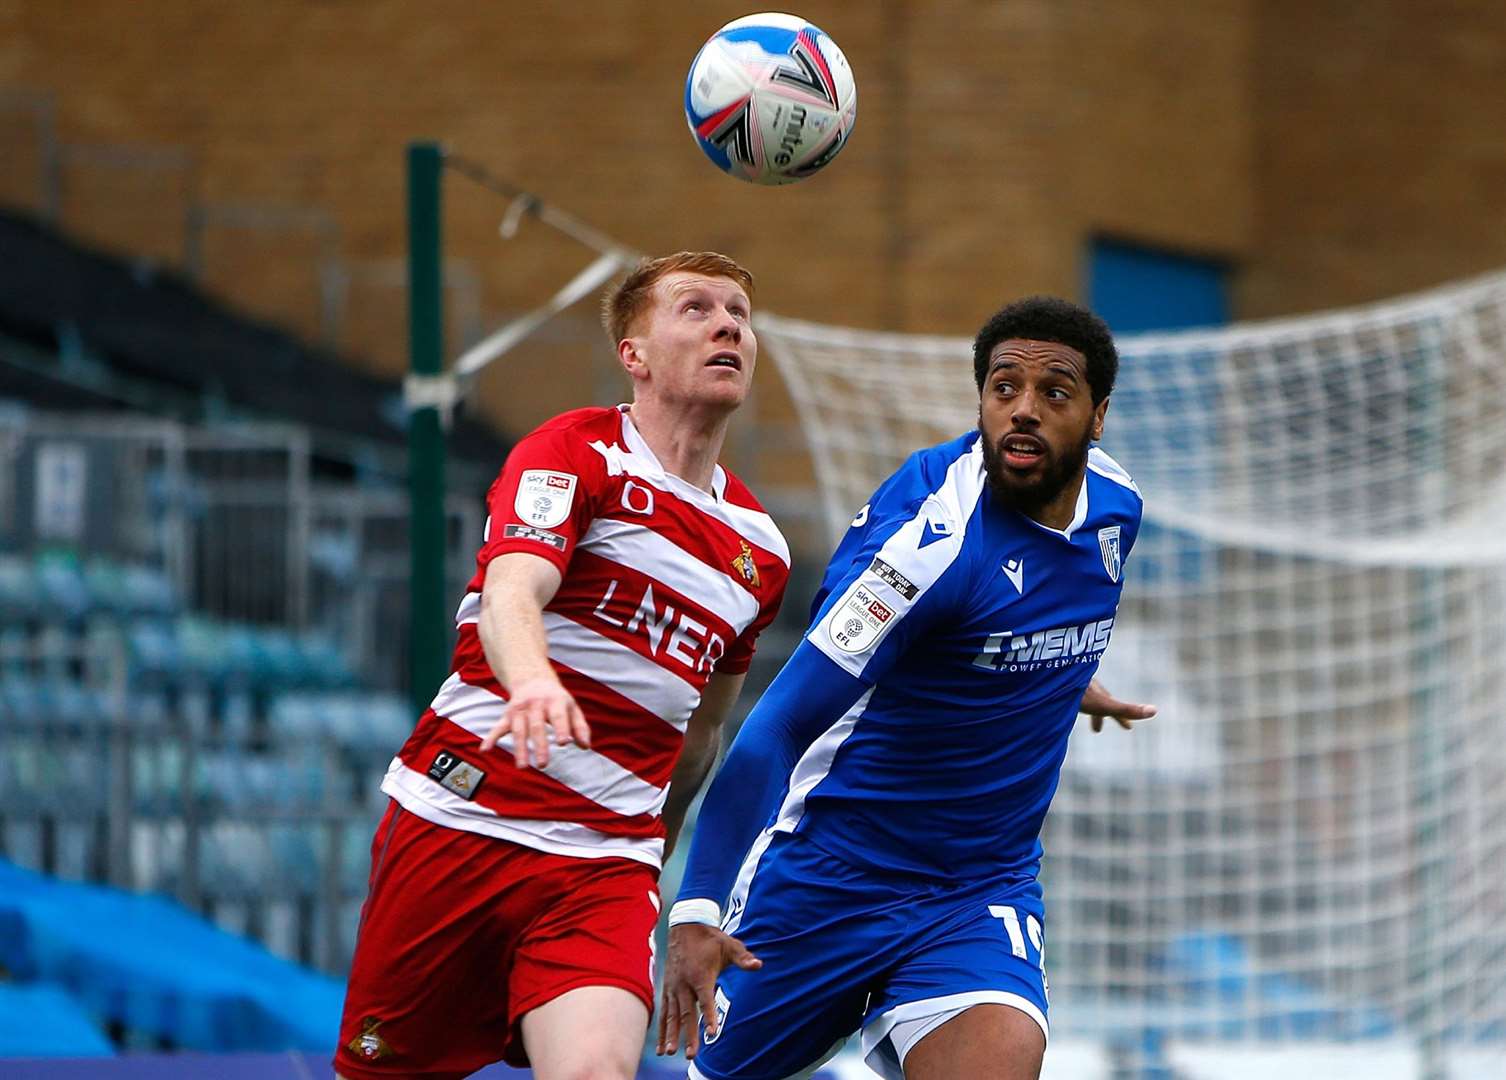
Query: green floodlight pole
[(427, 625)]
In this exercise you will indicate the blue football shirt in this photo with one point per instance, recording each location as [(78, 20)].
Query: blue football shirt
[(975, 630)]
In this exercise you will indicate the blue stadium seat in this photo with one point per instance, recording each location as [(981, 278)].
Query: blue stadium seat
[(280, 661), (235, 859), (21, 697), (146, 962), (148, 592), (20, 596), (64, 592), (237, 714), (325, 662), (297, 851), (355, 858), (201, 648), (389, 720), (1220, 966), (154, 650), (106, 582), (43, 1021)]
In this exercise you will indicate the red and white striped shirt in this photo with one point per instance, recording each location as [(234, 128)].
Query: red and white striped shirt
[(663, 584)]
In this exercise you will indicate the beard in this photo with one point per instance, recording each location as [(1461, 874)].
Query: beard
[(1028, 496)]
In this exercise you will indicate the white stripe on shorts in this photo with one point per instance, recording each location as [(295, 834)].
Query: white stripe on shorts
[(905, 1025)]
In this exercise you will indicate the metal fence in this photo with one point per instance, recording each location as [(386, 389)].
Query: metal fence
[(202, 646)]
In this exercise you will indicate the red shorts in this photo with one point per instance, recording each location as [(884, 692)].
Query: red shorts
[(462, 934)]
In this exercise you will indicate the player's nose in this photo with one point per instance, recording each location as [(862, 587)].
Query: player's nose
[(1025, 409), (728, 327)]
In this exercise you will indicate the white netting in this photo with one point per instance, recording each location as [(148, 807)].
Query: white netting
[(1308, 845)]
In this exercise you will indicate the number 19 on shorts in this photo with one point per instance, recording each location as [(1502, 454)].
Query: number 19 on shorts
[(1032, 928)]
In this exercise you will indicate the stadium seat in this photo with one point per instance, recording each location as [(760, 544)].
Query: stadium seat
[(296, 851), (146, 962), (148, 592), (60, 581), (105, 580), (201, 645), (154, 650), (20, 596), (41, 1021), (1220, 966)]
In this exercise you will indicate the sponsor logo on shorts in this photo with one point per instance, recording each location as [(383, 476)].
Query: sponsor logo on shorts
[(369, 1044), (528, 532), (459, 776), (894, 579)]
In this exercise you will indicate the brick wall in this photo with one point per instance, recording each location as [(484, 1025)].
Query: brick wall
[(1335, 152)]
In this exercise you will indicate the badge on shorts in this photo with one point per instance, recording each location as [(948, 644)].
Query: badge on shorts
[(544, 497), (369, 1044), (722, 1006), (461, 777)]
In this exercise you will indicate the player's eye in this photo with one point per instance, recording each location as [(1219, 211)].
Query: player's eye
[(1056, 393)]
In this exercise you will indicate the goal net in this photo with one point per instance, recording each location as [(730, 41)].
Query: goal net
[(1305, 852)]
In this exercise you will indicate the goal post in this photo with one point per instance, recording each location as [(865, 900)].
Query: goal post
[(433, 387), (428, 617)]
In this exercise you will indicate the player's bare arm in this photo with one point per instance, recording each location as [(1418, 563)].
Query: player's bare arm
[(1098, 703), (703, 736), (517, 587)]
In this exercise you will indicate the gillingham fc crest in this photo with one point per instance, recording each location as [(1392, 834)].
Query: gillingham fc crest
[(1108, 545)]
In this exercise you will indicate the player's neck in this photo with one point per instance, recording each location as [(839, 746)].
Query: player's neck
[(1059, 512), (687, 444)]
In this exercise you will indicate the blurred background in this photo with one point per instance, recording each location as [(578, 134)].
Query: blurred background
[(1292, 214)]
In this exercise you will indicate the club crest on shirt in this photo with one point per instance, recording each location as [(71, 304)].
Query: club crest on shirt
[(544, 497), (1108, 545), (369, 1044), (745, 565)]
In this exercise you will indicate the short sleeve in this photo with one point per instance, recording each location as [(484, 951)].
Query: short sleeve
[(545, 497), (739, 655), (902, 576)]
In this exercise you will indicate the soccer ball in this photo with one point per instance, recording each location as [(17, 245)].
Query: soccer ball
[(770, 99)]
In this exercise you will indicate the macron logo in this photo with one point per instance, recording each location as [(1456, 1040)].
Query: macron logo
[(933, 531), (1014, 570)]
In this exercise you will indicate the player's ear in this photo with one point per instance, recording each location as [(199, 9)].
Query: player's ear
[(630, 356), (1099, 411)]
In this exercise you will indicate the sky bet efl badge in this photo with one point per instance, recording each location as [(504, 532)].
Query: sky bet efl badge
[(544, 497), (856, 624)]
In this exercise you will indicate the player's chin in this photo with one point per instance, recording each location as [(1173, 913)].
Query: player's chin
[(728, 388), (1018, 488)]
